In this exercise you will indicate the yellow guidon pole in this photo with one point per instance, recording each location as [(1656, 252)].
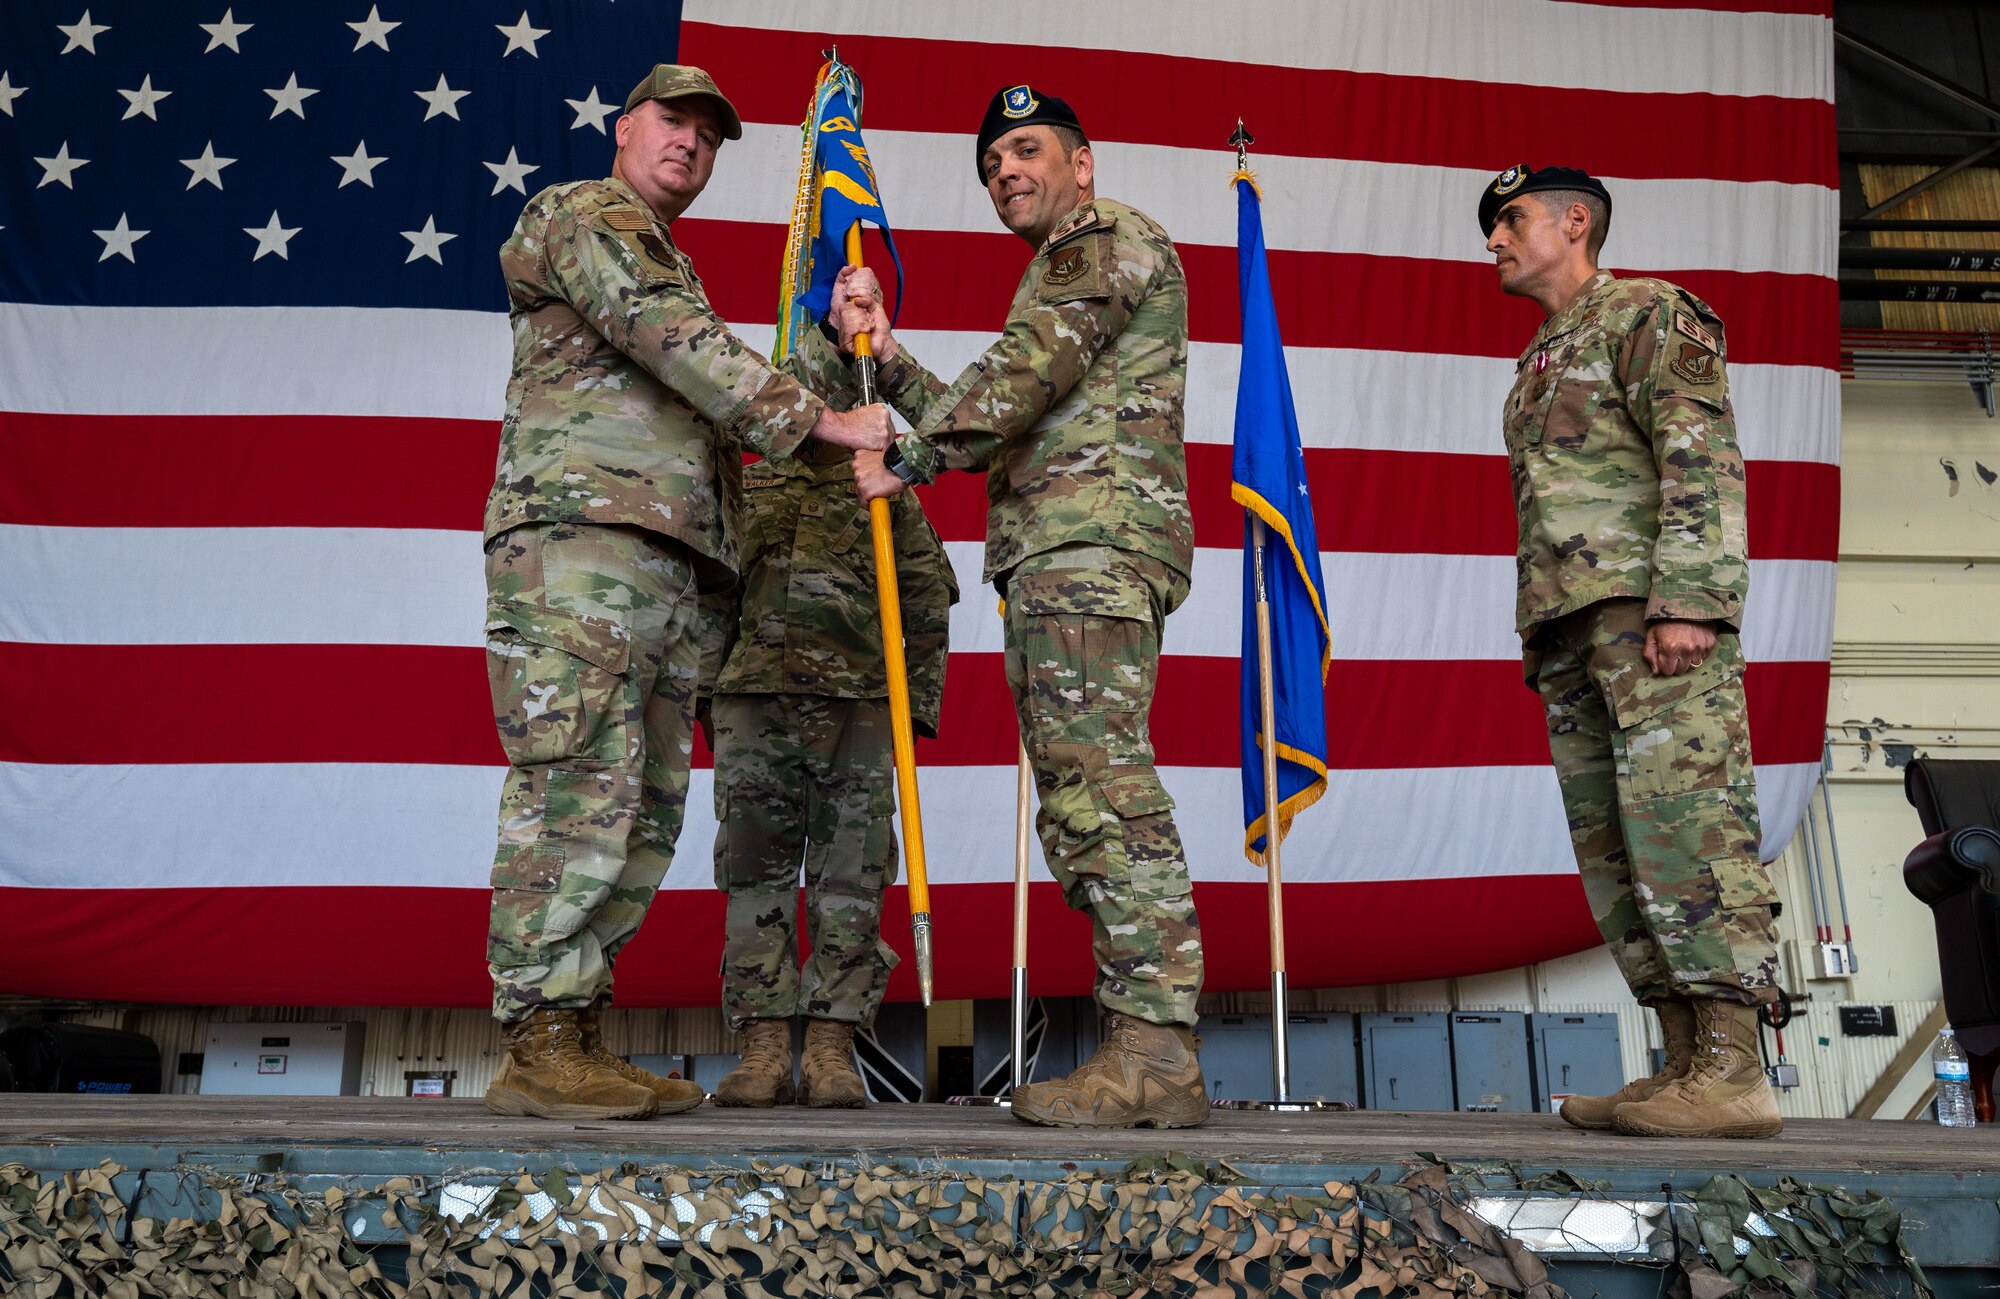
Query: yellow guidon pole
[(900, 730)]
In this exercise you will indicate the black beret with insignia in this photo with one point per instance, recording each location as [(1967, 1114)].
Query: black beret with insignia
[(1019, 106), (1523, 179)]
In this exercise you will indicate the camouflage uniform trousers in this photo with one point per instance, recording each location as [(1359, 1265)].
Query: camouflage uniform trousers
[(1657, 781), (803, 779), (1083, 628), (593, 660)]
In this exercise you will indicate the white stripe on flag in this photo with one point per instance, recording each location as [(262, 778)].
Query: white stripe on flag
[(1378, 400), (1518, 42), (384, 586), (1322, 205), (227, 825)]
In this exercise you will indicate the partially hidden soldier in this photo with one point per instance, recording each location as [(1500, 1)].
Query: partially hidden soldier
[(1075, 416), (606, 517), (1633, 569), (804, 766)]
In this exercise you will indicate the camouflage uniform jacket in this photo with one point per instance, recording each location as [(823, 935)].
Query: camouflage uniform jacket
[(623, 378), (1627, 480), (1076, 411), (808, 620)]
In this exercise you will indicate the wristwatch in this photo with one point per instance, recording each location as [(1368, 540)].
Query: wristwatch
[(893, 461)]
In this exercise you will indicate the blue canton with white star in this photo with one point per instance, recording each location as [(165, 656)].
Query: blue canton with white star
[(361, 153)]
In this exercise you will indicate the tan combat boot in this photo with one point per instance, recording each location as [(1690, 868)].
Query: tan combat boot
[(1677, 1027), (764, 1077), (827, 1079), (548, 1075), (1725, 1092), (1143, 1076), (676, 1095)]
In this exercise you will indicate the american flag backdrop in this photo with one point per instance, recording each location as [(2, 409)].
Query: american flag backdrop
[(252, 357)]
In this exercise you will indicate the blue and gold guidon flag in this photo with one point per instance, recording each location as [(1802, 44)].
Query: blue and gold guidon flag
[(837, 188), (1268, 480)]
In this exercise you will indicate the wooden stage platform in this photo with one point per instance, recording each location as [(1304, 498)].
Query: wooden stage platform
[(1946, 1183)]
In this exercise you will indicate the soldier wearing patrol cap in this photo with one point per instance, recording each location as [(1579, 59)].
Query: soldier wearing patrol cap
[(1075, 416), (608, 513), (1632, 576)]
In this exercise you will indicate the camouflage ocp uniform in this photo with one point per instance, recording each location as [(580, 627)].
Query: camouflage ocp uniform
[(606, 517), (1630, 494), (804, 769), (1076, 416)]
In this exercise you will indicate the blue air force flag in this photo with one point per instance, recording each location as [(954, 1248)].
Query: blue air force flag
[(1268, 480), (844, 192)]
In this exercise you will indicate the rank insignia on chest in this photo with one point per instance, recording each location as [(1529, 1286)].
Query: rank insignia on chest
[(1067, 267), (1695, 363)]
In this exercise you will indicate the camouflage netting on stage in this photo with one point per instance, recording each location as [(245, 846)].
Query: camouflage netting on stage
[(1158, 1227)]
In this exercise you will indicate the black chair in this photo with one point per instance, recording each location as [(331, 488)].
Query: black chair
[(1956, 872)]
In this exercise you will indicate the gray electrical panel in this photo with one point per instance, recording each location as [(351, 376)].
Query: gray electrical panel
[(1062, 1034), (1406, 1061), (1575, 1055), (1489, 1061), (282, 1060), (1236, 1057)]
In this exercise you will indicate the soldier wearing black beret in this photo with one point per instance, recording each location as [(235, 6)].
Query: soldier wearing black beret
[(1075, 415), (1632, 576)]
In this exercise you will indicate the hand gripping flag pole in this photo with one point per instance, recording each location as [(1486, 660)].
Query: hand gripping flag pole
[(1268, 480), (837, 192)]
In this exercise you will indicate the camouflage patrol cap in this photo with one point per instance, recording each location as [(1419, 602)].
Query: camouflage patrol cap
[(680, 81), (1019, 106), (1523, 179)]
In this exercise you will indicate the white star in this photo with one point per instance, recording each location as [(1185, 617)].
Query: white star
[(590, 112), (208, 167), (443, 100), (426, 242), (143, 99), (272, 238), (225, 32), (358, 166), (291, 98), (8, 94), (82, 34), (58, 168), (372, 30), (119, 239), (511, 173), (521, 36)]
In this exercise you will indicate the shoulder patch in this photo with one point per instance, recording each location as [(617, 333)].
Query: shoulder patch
[(1693, 362), (1084, 218), (1078, 269), (656, 261), (1686, 324)]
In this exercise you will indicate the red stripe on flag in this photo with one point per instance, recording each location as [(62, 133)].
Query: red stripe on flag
[(938, 85), (163, 704), (100, 471), (132, 944), (959, 280)]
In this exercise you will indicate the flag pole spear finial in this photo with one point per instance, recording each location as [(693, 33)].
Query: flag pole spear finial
[(1242, 139)]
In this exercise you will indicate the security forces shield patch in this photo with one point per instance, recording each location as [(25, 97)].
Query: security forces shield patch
[(1067, 266), (1019, 102), (1511, 179), (1695, 363)]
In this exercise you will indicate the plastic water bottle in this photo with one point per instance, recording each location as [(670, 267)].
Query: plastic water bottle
[(1954, 1082)]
